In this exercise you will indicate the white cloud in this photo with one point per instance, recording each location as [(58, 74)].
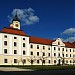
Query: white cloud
[(26, 16), (69, 31), (70, 39)]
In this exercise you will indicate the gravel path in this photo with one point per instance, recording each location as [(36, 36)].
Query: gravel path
[(13, 69)]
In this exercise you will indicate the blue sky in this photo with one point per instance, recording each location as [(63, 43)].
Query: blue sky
[(49, 18)]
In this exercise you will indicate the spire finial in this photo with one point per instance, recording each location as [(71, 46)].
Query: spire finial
[(16, 17)]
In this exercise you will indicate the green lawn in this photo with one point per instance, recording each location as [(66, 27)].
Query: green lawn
[(44, 67)]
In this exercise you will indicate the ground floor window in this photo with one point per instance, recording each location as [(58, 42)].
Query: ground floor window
[(54, 61), (37, 61), (15, 60), (49, 61), (66, 61), (5, 61), (44, 61)]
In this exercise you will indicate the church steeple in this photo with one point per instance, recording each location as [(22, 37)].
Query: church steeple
[(16, 18), (15, 22)]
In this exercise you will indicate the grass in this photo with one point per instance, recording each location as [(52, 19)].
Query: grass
[(40, 67)]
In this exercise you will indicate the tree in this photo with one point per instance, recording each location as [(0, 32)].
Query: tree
[(23, 61), (31, 59)]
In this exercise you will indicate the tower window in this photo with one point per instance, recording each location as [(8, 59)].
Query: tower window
[(16, 25)]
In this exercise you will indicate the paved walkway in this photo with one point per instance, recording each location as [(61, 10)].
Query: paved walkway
[(13, 69)]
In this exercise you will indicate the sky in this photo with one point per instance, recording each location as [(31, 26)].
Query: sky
[(41, 18)]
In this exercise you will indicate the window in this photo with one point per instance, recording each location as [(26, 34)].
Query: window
[(70, 50), (15, 37), (58, 49), (66, 61), (31, 46), (74, 50), (37, 46), (5, 51), (70, 61), (38, 61), (63, 55), (23, 44), (31, 53), (23, 38), (23, 61), (5, 36), (5, 43), (44, 61), (70, 55), (48, 54), (15, 51), (54, 61), (5, 61), (73, 55), (58, 54), (15, 44), (15, 60), (43, 54), (63, 49), (48, 48), (58, 43), (54, 54), (66, 50), (66, 55), (54, 48), (49, 61), (37, 53), (43, 47), (23, 52)]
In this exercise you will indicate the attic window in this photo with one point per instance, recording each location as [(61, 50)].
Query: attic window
[(58, 43)]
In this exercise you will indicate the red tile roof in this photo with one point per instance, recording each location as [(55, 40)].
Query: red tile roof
[(13, 31), (34, 39), (48, 42), (70, 45), (40, 40)]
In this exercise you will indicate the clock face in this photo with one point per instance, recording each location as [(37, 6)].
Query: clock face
[(16, 25)]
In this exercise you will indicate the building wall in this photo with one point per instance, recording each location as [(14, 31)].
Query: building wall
[(59, 51)]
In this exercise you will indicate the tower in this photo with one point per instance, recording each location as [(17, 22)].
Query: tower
[(15, 22)]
